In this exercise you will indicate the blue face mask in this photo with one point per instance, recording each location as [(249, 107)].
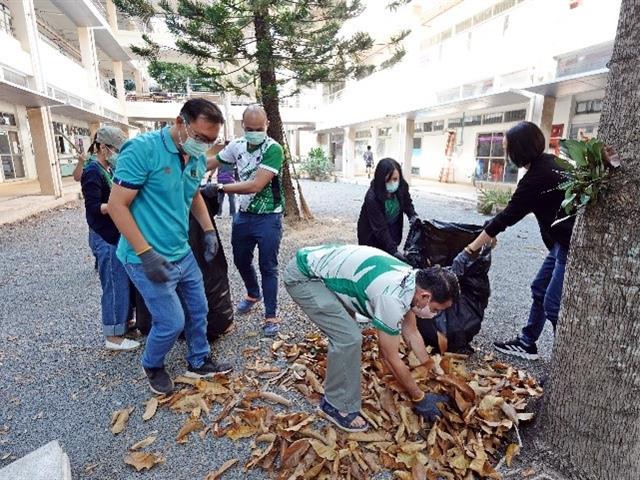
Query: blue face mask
[(194, 148), (255, 138), (392, 187)]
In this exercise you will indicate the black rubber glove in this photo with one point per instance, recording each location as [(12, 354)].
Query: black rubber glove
[(400, 256), (414, 219), (155, 266), (211, 245), (428, 408), (210, 190)]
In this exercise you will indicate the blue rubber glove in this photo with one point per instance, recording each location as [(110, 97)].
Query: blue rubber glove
[(210, 190), (428, 408), (155, 266), (211, 245)]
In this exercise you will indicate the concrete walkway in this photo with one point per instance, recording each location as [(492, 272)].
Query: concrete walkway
[(48, 462), (21, 200)]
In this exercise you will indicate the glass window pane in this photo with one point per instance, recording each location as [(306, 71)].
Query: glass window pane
[(497, 149), (483, 148), (4, 143), (496, 170), (511, 172)]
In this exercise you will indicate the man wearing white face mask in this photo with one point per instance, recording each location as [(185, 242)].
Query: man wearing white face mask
[(258, 159), (156, 186), (332, 282)]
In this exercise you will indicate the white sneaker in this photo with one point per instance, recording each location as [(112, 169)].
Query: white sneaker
[(124, 346)]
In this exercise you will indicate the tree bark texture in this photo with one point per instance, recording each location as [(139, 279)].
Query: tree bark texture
[(271, 101), (591, 415)]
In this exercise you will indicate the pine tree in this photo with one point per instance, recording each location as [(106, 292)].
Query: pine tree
[(259, 46)]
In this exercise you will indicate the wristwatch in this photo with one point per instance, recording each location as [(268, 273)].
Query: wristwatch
[(221, 187)]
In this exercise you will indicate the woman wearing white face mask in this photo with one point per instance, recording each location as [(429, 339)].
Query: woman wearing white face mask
[(96, 182), (381, 217)]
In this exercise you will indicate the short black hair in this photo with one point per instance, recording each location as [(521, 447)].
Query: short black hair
[(368, 147), (525, 143), (197, 107), (441, 282)]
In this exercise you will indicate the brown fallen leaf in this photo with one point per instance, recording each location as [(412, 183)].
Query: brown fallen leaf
[(402, 475), (418, 472), (529, 472), (218, 473), (143, 460), (241, 431), (512, 450), (306, 421), (292, 455), (150, 409), (186, 380), (119, 420), (145, 442), (367, 437), (314, 471), (323, 450), (191, 425)]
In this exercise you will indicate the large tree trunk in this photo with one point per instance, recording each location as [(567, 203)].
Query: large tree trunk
[(271, 102), (591, 416)]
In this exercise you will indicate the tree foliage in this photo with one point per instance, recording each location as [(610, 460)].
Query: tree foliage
[(174, 77)]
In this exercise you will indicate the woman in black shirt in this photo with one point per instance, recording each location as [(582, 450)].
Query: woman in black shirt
[(537, 193), (387, 200)]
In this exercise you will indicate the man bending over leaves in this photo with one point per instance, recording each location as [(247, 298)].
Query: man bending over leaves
[(333, 282)]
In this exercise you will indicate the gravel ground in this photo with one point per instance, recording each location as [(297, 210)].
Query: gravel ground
[(57, 382)]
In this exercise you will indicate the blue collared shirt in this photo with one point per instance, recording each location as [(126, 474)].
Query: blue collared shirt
[(151, 164)]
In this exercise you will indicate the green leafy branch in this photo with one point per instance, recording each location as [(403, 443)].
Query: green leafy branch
[(586, 165)]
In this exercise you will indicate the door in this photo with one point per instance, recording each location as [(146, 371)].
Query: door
[(11, 155)]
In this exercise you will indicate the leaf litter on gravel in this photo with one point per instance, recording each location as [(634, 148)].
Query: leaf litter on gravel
[(466, 442)]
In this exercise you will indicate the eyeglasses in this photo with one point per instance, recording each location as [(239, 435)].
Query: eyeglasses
[(199, 137)]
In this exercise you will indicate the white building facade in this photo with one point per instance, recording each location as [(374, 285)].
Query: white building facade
[(473, 69)]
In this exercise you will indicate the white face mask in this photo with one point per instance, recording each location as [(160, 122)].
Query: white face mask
[(424, 312)]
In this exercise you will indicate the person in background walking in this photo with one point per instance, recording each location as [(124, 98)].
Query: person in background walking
[(96, 181), (226, 175), (381, 216), (258, 159), (537, 193), (331, 283), (156, 186), (368, 160)]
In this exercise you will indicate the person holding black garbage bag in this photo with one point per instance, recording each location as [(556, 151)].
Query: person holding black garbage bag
[(381, 217), (537, 193)]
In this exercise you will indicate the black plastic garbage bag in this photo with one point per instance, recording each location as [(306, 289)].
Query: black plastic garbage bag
[(441, 243), (216, 282)]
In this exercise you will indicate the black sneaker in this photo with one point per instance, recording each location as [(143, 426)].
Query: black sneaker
[(517, 348), (159, 380), (208, 369)]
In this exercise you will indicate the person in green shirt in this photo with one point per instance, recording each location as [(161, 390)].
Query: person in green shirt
[(332, 283), (258, 159)]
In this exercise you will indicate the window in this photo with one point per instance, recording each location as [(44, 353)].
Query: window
[(482, 16), (473, 120), (589, 106), (454, 122), (363, 134), (6, 20), (491, 164), (515, 115), (583, 132), (465, 25), (384, 132), (7, 119), (491, 118), (417, 143), (438, 125)]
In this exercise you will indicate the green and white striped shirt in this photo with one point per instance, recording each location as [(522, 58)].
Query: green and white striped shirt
[(366, 280)]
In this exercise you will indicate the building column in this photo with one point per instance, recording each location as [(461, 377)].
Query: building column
[(540, 112), (348, 152), (26, 28), (118, 74), (89, 56), (112, 15), (407, 130), (42, 139), (137, 78)]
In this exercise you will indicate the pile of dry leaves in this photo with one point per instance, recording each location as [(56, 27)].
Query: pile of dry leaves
[(465, 443)]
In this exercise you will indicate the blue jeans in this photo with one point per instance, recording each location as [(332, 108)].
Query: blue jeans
[(232, 202), (115, 286), (546, 291), (265, 231), (176, 305)]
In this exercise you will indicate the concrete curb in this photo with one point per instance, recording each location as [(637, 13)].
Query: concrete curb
[(21, 208), (49, 462)]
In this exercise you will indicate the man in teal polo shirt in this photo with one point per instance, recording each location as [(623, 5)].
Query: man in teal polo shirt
[(155, 188)]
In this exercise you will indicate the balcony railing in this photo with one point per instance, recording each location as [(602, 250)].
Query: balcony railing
[(98, 4)]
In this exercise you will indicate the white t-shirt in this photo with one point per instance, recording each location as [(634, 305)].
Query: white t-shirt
[(367, 280)]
